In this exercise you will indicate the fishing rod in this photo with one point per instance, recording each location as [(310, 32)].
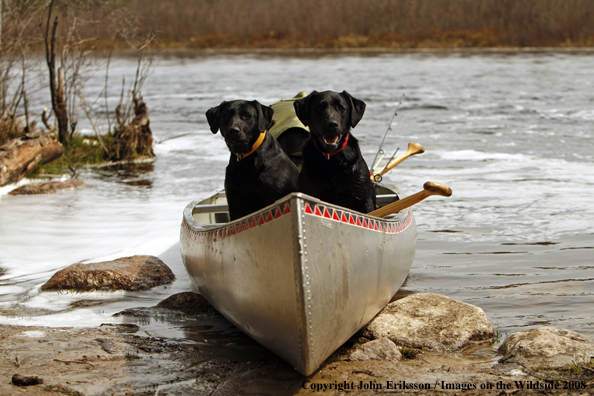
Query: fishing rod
[(377, 177), (380, 151), (413, 149)]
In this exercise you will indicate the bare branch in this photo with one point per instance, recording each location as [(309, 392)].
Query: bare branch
[(25, 101), (45, 119), (87, 112), (106, 85)]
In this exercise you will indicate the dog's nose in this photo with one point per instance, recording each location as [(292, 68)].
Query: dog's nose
[(233, 131), (332, 124)]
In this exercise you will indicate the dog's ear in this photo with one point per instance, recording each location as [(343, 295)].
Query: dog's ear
[(264, 116), (357, 108), (302, 108), (213, 116)]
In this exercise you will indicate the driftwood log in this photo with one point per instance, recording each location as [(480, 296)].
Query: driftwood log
[(23, 155)]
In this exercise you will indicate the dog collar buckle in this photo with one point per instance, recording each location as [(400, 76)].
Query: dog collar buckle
[(327, 155), (255, 147)]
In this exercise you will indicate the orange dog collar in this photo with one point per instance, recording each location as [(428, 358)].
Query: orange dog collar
[(255, 147)]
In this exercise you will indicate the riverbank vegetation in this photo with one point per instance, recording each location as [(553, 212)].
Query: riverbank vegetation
[(371, 23), (396, 24)]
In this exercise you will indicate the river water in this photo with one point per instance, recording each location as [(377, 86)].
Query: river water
[(510, 132)]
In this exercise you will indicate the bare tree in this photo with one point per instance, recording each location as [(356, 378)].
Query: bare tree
[(17, 19), (56, 78), (22, 147)]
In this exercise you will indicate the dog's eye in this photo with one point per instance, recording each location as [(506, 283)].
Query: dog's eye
[(246, 116), (341, 108)]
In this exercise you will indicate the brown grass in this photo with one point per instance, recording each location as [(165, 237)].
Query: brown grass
[(369, 23), (336, 23)]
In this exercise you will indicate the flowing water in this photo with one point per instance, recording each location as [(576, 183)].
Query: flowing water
[(510, 132)]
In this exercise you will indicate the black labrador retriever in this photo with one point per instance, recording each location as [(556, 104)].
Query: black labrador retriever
[(259, 171), (333, 168)]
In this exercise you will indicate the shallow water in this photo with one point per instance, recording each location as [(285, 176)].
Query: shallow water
[(510, 133)]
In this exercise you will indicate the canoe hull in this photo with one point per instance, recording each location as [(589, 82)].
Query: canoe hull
[(300, 276)]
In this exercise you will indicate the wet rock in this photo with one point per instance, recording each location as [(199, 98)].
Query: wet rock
[(382, 349), (547, 345), (139, 313), (21, 380), (127, 273), (21, 311), (430, 321), (47, 187), (86, 304), (186, 303)]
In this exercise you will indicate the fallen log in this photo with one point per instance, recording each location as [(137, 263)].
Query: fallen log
[(21, 156)]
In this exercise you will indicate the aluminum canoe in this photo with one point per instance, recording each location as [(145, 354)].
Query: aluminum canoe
[(300, 276)]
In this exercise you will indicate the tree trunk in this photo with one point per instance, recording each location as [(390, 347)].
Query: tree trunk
[(21, 156), (134, 140), (56, 80)]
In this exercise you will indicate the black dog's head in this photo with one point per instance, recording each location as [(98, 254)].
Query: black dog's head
[(241, 122), (329, 115)]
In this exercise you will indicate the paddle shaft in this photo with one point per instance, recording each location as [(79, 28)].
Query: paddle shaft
[(429, 188), (413, 148)]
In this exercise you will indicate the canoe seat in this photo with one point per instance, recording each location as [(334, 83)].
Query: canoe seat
[(218, 208), (385, 199)]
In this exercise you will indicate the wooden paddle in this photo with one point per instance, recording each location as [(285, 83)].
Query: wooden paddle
[(429, 188), (413, 148)]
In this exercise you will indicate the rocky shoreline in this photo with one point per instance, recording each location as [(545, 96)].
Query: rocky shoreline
[(114, 359), (423, 344)]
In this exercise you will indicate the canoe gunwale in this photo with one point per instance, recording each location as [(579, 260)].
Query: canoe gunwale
[(188, 217)]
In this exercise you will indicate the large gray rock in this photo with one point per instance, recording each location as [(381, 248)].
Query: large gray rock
[(547, 345), (430, 321), (127, 273), (383, 349)]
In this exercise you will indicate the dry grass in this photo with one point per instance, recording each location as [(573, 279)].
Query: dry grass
[(370, 23), (337, 23)]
